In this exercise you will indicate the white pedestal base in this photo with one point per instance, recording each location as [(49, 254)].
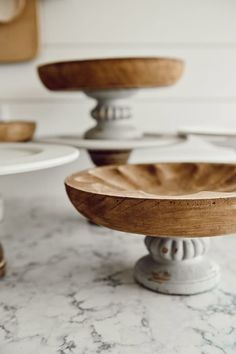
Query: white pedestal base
[(177, 266), (112, 115)]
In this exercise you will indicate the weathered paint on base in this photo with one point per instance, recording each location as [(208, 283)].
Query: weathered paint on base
[(177, 266)]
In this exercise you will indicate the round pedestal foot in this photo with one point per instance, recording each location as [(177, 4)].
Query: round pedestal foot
[(2, 263), (107, 157), (177, 266)]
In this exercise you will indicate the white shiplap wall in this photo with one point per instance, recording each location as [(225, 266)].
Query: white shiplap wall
[(201, 32)]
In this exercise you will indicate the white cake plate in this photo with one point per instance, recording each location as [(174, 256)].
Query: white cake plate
[(218, 136), (147, 141), (21, 158), (207, 131), (114, 151)]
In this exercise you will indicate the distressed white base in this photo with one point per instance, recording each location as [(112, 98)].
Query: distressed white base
[(177, 266), (112, 115)]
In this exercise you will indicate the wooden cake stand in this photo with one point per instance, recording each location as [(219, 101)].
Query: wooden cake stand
[(179, 206), (110, 82)]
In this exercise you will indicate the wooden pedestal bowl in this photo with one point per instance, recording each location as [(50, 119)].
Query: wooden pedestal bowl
[(177, 205), (17, 131), (114, 73)]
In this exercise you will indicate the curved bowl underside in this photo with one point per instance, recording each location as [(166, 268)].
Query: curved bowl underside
[(172, 199), (116, 73)]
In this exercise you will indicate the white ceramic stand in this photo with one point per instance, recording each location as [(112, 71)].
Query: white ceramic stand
[(177, 266), (112, 115), (22, 158)]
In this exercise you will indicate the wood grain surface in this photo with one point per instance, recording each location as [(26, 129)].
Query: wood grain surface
[(172, 199), (17, 131), (115, 73), (19, 39)]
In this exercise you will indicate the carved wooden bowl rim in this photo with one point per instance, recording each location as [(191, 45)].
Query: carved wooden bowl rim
[(111, 73), (90, 180), (200, 214)]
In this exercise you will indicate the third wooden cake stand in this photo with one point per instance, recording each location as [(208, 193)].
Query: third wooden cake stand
[(111, 82)]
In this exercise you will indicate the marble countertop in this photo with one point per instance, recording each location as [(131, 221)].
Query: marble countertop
[(70, 290)]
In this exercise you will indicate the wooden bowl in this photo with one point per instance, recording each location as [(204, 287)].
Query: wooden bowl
[(166, 199), (116, 73), (17, 131)]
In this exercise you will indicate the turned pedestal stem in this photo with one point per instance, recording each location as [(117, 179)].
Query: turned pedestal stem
[(177, 266), (113, 122), (112, 115)]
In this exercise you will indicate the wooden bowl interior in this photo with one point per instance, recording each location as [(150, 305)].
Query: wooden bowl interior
[(170, 180), (166, 199)]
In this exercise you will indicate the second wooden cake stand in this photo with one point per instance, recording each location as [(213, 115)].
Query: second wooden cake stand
[(179, 206)]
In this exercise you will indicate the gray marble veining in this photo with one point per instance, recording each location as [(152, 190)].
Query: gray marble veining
[(70, 290)]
